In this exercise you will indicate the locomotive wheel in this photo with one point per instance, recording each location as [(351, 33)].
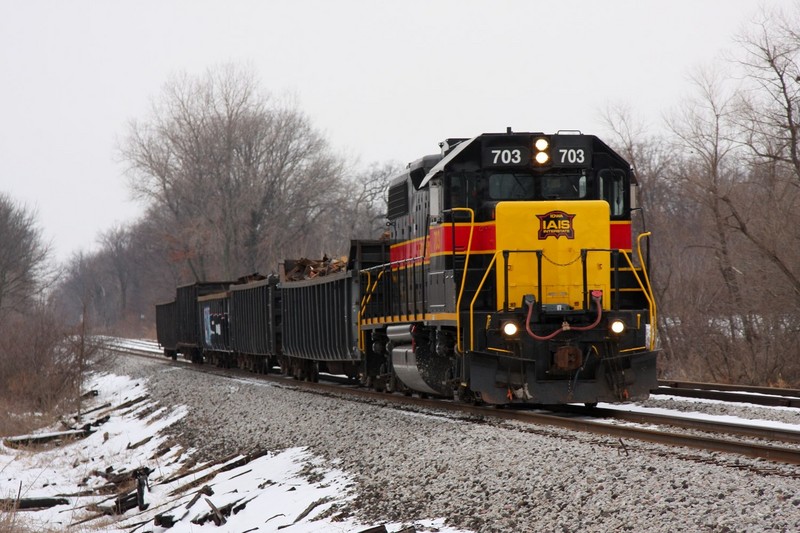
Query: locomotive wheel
[(466, 395)]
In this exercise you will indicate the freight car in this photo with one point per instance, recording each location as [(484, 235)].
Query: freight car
[(509, 275)]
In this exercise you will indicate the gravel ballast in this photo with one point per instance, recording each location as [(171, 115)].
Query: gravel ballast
[(498, 476)]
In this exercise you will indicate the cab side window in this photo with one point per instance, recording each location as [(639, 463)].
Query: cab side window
[(612, 188)]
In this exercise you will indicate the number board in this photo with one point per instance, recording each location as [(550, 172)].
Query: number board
[(506, 156), (571, 151)]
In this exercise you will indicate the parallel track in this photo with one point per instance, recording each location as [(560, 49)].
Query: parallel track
[(767, 396), (570, 417)]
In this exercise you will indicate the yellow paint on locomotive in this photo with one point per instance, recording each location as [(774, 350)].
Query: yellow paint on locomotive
[(560, 229)]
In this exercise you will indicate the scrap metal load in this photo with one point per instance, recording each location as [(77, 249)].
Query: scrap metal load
[(300, 269)]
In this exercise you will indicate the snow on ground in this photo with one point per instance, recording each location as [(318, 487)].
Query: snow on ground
[(293, 491)]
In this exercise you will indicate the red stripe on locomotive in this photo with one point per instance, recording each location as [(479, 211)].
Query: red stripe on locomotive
[(440, 241)]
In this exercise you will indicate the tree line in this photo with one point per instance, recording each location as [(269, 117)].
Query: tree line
[(234, 179), (721, 191)]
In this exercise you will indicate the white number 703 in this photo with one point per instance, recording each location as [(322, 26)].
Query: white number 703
[(572, 155), (506, 156)]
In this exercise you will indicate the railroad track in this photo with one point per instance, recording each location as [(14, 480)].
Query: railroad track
[(139, 348), (767, 396), (698, 434)]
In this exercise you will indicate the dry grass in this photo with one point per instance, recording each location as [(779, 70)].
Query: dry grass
[(40, 373), (39, 382), (13, 421)]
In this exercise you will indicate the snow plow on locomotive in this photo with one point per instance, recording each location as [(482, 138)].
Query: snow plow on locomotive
[(510, 275)]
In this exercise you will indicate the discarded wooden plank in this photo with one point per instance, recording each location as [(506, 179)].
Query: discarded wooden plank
[(311, 507), (31, 503), (241, 505), (206, 490), (44, 438), (92, 410), (141, 442), (230, 465), (307, 510), (242, 473), (376, 529), (164, 520), (217, 517), (130, 403)]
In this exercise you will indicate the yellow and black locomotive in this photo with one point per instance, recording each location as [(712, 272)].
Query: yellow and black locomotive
[(513, 275)]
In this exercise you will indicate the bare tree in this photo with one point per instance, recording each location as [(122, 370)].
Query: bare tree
[(769, 114), (359, 210), (116, 247), (23, 255), (661, 203), (239, 175), (769, 119)]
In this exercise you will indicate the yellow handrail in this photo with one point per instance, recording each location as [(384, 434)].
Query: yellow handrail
[(475, 298), (364, 302), (647, 289), (459, 347), (654, 309)]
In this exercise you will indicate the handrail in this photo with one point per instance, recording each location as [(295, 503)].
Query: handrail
[(646, 288), (364, 302), (393, 263), (365, 299), (475, 298), (459, 346), (654, 308)]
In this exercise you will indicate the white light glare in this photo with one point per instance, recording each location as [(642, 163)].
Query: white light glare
[(510, 329)]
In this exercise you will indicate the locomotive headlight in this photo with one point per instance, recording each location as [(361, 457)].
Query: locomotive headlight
[(510, 329), (541, 147), (617, 327)]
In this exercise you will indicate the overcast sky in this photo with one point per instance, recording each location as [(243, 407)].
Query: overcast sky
[(384, 80)]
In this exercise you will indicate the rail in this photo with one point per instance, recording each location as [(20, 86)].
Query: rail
[(646, 288), (371, 289), (459, 345)]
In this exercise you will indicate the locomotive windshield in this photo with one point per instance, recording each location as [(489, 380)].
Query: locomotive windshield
[(479, 190), (467, 188)]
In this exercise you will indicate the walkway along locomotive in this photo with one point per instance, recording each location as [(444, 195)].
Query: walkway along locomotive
[(509, 275)]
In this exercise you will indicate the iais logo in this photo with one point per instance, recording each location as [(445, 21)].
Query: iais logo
[(556, 224)]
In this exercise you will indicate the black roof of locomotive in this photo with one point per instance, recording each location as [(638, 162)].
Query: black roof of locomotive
[(425, 168)]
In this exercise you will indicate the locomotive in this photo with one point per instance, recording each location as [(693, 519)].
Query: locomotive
[(510, 273)]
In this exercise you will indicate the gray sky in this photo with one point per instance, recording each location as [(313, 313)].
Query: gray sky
[(384, 80)]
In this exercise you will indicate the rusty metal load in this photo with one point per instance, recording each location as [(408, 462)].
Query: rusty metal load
[(303, 268)]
